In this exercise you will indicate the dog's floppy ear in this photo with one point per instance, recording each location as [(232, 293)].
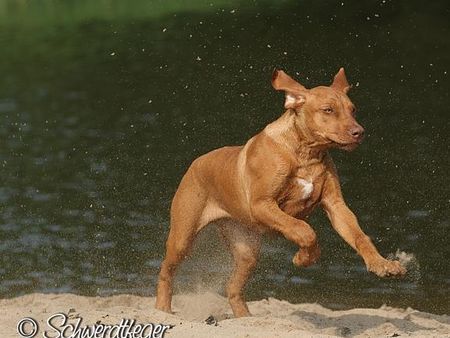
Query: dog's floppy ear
[(340, 81), (295, 92)]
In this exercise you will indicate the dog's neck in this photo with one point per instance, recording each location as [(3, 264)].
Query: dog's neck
[(292, 133)]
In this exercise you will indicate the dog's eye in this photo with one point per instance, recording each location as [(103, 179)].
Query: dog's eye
[(327, 110), (354, 111)]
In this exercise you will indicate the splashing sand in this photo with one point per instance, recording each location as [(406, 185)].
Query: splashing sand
[(410, 262)]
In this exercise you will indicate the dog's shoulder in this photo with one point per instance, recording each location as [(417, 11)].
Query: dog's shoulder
[(263, 154)]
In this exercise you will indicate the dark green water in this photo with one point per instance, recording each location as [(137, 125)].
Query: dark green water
[(103, 106)]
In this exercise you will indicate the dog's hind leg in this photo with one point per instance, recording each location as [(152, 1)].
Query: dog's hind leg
[(244, 245), (185, 222)]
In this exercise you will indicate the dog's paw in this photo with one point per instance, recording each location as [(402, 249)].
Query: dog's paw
[(387, 268), (163, 307), (306, 256)]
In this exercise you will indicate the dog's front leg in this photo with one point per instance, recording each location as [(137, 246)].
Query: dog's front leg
[(345, 223), (268, 213), (268, 172)]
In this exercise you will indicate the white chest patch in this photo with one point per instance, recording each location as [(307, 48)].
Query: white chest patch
[(308, 187)]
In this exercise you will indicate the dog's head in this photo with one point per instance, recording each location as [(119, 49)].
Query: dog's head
[(324, 114)]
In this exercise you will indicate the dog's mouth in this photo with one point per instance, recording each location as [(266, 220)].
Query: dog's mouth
[(334, 141), (348, 146)]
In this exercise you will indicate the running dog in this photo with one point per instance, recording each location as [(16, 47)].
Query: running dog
[(272, 183)]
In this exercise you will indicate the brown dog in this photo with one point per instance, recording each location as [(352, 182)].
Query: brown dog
[(272, 183)]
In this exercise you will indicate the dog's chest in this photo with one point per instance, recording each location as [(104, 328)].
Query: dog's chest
[(306, 187), (302, 192)]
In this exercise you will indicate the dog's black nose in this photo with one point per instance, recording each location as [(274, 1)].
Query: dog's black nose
[(357, 132)]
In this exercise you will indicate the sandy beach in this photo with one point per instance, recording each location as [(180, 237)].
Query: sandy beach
[(271, 317)]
